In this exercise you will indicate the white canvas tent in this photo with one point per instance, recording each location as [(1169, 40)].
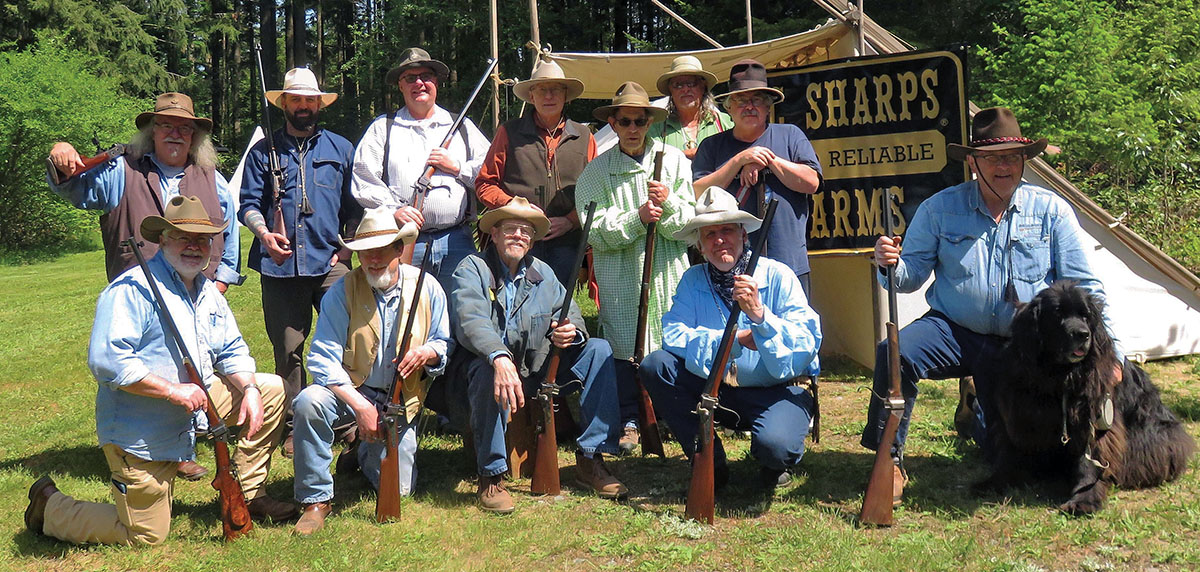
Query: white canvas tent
[(1154, 301)]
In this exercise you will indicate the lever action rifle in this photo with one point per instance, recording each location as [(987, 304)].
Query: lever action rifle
[(877, 500), (235, 517), (275, 172), (545, 461), (647, 420), (701, 499), (424, 182), (89, 163), (387, 504)]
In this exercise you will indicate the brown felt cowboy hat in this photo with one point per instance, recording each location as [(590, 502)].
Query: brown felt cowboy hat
[(685, 65), (300, 81), (518, 208), (377, 229), (996, 129), (632, 95), (417, 58), (185, 214), (749, 75), (548, 72), (173, 104)]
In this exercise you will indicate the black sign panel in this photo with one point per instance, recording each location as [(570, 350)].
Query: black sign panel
[(876, 123)]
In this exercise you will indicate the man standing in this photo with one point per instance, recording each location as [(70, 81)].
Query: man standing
[(144, 402), (353, 362), (692, 114), (628, 197), (505, 300), (398, 146), (302, 259), (758, 160), (773, 358), (539, 156)]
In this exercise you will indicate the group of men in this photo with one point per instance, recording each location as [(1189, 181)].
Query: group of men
[(484, 321)]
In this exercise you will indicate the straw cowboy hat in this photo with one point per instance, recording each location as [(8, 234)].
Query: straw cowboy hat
[(749, 75), (300, 81), (173, 104), (185, 214), (630, 94), (716, 206), (685, 65), (417, 58), (548, 71), (378, 229), (518, 208), (995, 129)]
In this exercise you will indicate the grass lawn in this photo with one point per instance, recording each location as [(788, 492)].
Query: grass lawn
[(47, 393)]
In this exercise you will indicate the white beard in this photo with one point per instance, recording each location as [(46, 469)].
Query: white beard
[(382, 281)]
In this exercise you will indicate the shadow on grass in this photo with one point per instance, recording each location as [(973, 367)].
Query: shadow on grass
[(84, 462)]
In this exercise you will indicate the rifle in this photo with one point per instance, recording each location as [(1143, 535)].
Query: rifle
[(423, 184), (235, 517), (545, 463), (387, 504), (701, 499), (89, 163), (877, 500), (274, 170), (647, 420)]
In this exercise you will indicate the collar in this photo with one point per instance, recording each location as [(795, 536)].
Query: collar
[(440, 117), (500, 271), (163, 169)]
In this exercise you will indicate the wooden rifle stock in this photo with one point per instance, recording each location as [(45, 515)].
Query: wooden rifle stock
[(387, 503), (89, 163), (647, 421), (276, 172), (545, 462), (235, 516), (701, 500)]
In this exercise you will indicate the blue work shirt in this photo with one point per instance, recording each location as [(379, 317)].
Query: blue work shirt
[(325, 180), (333, 323), (788, 338), (129, 342), (101, 189)]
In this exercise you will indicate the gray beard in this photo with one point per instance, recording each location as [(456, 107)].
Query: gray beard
[(381, 282)]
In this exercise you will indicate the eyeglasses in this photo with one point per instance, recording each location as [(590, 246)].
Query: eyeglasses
[(626, 122), (744, 100), (183, 129), (684, 83), (514, 229), (198, 240), (1011, 159), (543, 90), (409, 79)]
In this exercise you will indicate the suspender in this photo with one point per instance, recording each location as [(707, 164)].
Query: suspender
[(387, 146)]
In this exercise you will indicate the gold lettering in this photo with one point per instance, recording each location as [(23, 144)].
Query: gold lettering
[(812, 120), (862, 105), (835, 103), (869, 211), (883, 99), (908, 93), (841, 214), (820, 228), (930, 107)]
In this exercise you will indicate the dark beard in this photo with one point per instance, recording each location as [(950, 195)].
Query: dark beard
[(302, 123)]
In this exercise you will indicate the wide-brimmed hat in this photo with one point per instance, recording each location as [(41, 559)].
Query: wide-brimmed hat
[(518, 208), (716, 206), (548, 72), (173, 104), (417, 58), (630, 94), (378, 228), (185, 214), (995, 129), (749, 75), (685, 65), (300, 81)]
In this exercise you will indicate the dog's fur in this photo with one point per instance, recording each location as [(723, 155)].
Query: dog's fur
[(1061, 356)]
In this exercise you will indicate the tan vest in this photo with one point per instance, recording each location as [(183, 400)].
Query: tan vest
[(362, 339)]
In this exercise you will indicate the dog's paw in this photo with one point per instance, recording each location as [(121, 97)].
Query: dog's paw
[(1083, 504)]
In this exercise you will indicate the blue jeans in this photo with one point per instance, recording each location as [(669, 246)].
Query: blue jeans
[(932, 347), (592, 364), (450, 246), (777, 416), (316, 411)]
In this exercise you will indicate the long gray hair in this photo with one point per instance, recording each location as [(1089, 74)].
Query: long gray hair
[(708, 107), (202, 152)]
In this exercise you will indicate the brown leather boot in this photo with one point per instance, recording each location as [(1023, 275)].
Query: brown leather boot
[(39, 495), (493, 497), (593, 474), (964, 414), (899, 479), (191, 470), (265, 508), (312, 518)]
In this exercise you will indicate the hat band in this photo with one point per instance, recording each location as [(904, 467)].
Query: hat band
[(997, 140), (371, 233), (178, 221)]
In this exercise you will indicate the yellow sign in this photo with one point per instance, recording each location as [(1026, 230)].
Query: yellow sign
[(882, 155)]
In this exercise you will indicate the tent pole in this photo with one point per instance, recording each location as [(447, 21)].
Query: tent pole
[(534, 30), (686, 24), (862, 29), (496, 75), (749, 26)]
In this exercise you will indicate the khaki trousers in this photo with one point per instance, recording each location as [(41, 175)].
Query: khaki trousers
[(143, 489)]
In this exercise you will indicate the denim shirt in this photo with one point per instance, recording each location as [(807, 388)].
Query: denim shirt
[(324, 179), (101, 189), (129, 342), (974, 258), (788, 338)]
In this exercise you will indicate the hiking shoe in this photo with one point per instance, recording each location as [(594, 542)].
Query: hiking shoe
[(593, 474), (191, 470), (312, 518), (288, 447), (39, 495), (493, 497), (629, 440), (964, 414), (899, 479), (265, 508), (773, 478)]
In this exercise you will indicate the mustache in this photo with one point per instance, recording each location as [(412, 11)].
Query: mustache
[(173, 140)]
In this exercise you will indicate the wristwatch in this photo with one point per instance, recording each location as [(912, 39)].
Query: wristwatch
[(250, 386)]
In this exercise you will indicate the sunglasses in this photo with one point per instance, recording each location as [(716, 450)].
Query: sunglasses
[(412, 78), (684, 83), (626, 122), (994, 160)]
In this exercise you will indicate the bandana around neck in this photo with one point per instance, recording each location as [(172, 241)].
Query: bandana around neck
[(723, 281)]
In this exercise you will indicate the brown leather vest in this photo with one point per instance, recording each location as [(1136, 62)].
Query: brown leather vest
[(525, 169), (142, 198)]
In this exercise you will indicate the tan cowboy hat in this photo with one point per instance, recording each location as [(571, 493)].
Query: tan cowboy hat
[(300, 81), (995, 129), (378, 229), (630, 94), (548, 72), (417, 58), (685, 65), (716, 206), (173, 104), (185, 214), (749, 75), (518, 208)]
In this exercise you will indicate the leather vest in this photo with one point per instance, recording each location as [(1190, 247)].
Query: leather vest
[(525, 169)]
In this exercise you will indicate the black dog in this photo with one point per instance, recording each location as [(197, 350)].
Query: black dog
[(1054, 383)]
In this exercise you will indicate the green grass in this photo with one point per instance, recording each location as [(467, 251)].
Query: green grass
[(46, 396)]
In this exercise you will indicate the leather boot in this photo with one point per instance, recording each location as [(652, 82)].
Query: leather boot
[(899, 479), (593, 474), (39, 495), (265, 508), (964, 414), (191, 470), (312, 518), (493, 497)]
